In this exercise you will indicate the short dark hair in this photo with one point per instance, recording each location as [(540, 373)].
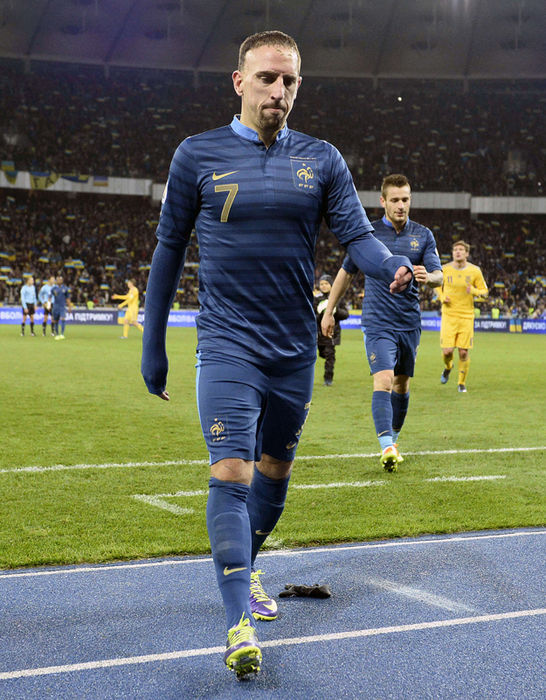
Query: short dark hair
[(465, 245), (394, 180), (269, 38)]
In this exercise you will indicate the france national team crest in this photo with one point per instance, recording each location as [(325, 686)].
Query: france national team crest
[(414, 244), (218, 429), (304, 173)]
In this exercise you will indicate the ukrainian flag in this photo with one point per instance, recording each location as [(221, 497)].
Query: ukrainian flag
[(41, 180)]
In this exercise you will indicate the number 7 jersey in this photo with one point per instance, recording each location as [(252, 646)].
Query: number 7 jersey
[(257, 213)]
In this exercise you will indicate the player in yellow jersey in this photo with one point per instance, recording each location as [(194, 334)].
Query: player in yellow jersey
[(130, 300), (463, 281)]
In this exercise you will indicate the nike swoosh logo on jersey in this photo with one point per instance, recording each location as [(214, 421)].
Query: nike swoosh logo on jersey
[(227, 571), (219, 177)]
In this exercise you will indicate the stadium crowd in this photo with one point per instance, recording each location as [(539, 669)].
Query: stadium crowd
[(486, 141), (99, 242)]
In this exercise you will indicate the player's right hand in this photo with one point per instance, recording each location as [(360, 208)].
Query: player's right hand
[(402, 278)]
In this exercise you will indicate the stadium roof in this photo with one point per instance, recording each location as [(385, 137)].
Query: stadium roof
[(369, 38)]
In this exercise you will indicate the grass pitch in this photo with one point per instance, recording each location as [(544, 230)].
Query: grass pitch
[(93, 468)]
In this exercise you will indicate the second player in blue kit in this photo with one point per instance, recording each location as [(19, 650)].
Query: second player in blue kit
[(391, 323)]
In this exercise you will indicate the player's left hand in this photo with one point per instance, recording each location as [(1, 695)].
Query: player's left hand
[(402, 278)]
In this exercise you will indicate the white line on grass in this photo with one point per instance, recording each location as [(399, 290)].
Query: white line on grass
[(274, 553), (158, 502), (158, 499), (490, 477), (300, 458), (311, 639)]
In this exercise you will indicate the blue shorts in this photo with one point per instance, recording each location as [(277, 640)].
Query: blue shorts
[(58, 312), (396, 350), (246, 410)]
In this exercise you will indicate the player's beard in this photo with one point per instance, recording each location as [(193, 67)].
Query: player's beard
[(272, 121)]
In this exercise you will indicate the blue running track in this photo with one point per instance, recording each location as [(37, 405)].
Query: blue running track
[(458, 616)]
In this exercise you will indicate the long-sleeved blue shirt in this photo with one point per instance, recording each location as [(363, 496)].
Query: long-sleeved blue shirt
[(257, 213)]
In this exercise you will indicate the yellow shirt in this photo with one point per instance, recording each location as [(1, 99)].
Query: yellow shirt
[(460, 286), (130, 300)]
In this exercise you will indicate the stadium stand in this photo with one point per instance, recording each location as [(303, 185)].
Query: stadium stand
[(487, 141), (484, 139)]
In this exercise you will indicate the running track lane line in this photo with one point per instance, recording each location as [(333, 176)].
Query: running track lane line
[(207, 651), (270, 553)]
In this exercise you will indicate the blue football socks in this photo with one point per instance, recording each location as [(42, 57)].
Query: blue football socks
[(229, 533), (382, 417), (400, 404), (265, 504)]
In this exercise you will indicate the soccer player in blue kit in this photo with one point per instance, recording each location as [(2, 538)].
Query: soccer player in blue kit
[(391, 323), (60, 295), (255, 192)]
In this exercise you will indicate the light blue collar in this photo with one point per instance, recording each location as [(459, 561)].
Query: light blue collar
[(250, 134), (390, 225)]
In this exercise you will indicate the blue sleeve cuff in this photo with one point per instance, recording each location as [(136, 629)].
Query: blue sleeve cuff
[(374, 258)]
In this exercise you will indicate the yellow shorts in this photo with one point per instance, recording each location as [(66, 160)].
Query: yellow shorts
[(456, 332), (131, 316)]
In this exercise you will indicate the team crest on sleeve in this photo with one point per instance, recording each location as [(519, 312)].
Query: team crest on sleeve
[(304, 173)]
